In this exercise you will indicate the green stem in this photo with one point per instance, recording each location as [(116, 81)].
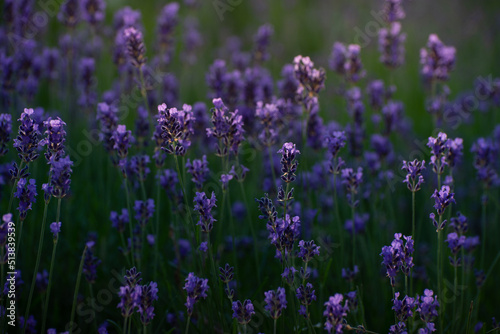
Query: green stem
[(21, 166), (483, 226), (337, 216), (37, 263), (439, 268), (47, 296), (131, 229), (271, 161), (274, 331), (187, 324), (353, 231), (124, 329), (455, 284), (92, 300), (75, 296), (412, 234), (157, 226)]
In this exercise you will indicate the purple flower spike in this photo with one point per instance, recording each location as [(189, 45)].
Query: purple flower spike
[(393, 11), (60, 177), (243, 312), (414, 178), (227, 127), (26, 142), (122, 139), (199, 170), (5, 131), (204, 206), (26, 193), (196, 288), (136, 50), (427, 307), (69, 13), (176, 128), (403, 308), (55, 228), (335, 314), (442, 199), (306, 295), (391, 45), (119, 221), (307, 250), (398, 256), (56, 136), (93, 11), (144, 211), (143, 296), (437, 59), (288, 163), (275, 302)]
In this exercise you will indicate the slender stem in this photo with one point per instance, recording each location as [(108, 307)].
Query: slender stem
[(157, 226), (353, 231), (144, 94), (439, 268), (455, 284), (75, 296), (271, 161), (483, 226), (131, 229), (124, 329), (187, 324), (337, 215), (18, 243), (412, 234), (37, 263), (286, 197), (184, 194), (274, 331), (92, 300), (144, 328), (47, 296)]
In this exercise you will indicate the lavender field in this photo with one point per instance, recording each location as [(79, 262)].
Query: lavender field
[(231, 166)]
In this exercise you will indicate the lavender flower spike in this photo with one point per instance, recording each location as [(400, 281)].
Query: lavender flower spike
[(288, 164), (136, 50), (26, 143), (414, 177), (204, 206), (243, 312), (5, 131), (196, 288), (56, 136), (275, 302), (335, 314), (26, 193)]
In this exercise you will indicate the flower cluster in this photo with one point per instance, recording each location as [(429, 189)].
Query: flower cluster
[(243, 312), (335, 314), (26, 193), (177, 128), (391, 45), (227, 127), (307, 250), (275, 302), (122, 140), (196, 288), (5, 131), (352, 180), (398, 256), (403, 308), (60, 178), (311, 80), (437, 59), (144, 211), (198, 170), (26, 142), (346, 61), (306, 295), (204, 206), (136, 50), (288, 163), (414, 178)]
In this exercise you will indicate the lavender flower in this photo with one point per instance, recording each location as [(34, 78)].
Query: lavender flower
[(224, 179), (455, 243), (437, 59), (136, 50), (93, 11), (226, 273), (288, 164), (227, 128), (359, 225), (26, 193), (166, 24), (442, 199), (335, 314), (30, 324), (107, 115), (307, 250), (199, 171), (398, 256), (349, 274), (393, 11), (86, 83), (289, 275), (5, 131), (127, 302), (346, 61), (26, 142), (286, 232), (138, 164), (427, 307), (306, 295), (196, 288), (262, 42), (243, 312), (204, 206), (352, 180), (454, 152), (484, 160), (391, 45), (55, 228), (122, 139), (143, 296), (311, 80), (56, 136), (414, 177), (90, 263), (144, 211), (403, 308), (438, 147), (177, 127), (69, 13), (275, 302), (459, 224), (60, 178)]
